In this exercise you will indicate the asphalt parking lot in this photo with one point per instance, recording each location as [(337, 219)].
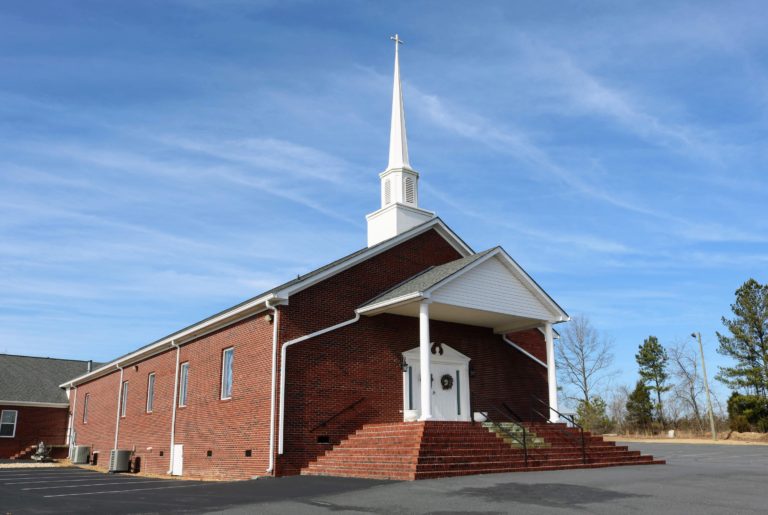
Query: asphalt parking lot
[(700, 479)]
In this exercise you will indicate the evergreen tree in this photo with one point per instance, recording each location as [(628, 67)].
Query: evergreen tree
[(592, 415), (748, 341), (652, 359), (639, 407)]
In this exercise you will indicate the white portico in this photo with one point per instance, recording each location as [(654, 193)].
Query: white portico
[(487, 289)]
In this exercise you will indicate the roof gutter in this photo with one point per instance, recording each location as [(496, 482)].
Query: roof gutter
[(180, 337)]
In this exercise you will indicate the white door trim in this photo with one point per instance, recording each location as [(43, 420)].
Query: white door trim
[(450, 357)]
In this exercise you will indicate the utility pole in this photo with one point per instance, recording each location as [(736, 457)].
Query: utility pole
[(706, 387)]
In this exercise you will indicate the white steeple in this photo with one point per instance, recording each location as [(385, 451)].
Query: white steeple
[(399, 182)]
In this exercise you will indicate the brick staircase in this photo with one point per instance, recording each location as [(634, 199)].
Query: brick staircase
[(57, 452), (425, 450)]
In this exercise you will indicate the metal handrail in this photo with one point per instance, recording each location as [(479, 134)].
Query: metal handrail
[(343, 410), (523, 442), (564, 432)]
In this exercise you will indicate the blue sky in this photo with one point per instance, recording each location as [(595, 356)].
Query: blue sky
[(161, 161)]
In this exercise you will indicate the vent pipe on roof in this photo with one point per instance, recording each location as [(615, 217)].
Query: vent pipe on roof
[(89, 366)]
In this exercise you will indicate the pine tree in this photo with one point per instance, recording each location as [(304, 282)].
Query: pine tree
[(652, 359), (748, 342), (639, 407)]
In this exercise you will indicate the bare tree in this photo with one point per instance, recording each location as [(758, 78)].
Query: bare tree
[(688, 380), (617, 407), (583, 360)]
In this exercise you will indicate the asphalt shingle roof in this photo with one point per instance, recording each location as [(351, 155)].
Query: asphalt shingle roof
[(428, 278), (32, 379)]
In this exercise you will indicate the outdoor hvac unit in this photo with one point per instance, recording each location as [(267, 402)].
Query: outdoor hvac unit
[(80, 454), (119, 460)]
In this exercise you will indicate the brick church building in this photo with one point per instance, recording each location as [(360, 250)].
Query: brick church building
[(325, 374)]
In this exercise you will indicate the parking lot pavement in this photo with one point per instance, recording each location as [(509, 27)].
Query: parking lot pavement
[(700, 479)]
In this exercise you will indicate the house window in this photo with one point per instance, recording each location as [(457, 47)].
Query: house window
[(124, 399), (8, 423), (226, 372), (183, 380), (150, 392), (85, 407)]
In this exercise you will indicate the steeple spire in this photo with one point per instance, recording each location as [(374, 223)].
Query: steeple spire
[(400, 209), (398, 142)]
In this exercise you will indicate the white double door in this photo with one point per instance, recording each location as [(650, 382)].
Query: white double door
[(449, 384)]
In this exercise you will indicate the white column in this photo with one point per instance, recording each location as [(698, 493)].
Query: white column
[(551, 372), (424, 358)]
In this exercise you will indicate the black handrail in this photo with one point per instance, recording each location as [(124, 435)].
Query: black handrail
[(565, 432), (523, 442), (517, 417), (345, 409)]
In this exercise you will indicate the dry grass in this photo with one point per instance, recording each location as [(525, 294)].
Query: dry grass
[(724, 438)]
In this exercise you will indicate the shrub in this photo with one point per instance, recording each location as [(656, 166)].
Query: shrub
[(748, 413)]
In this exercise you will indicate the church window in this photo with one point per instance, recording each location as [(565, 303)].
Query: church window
[(85, 407), (150, 392), (124, 399), (410, 192), (226, 373), (183, 380)]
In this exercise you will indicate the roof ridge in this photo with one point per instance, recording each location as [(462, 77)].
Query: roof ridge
[(43, 357)]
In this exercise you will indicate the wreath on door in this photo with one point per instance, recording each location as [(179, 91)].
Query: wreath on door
[(446, 381)]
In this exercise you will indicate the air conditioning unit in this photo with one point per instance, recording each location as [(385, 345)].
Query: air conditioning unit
[(80, 454), (119, 460)]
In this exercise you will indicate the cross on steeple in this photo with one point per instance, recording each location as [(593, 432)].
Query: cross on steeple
[(396, 39)]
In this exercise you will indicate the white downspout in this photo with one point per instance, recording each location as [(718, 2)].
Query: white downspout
[(71, 429), (173, 408), (282, 368), (551, 372), (273, 400), (119, 397)]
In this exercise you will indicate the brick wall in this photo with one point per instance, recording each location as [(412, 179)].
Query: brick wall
[(32, 425), (225, 427), (328, 373)]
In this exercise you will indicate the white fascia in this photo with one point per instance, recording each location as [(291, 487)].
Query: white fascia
[(196, 331), (32, 404), (374, 309)]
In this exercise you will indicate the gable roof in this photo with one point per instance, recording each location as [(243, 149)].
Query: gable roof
[(34, 380), (273, 297), (426, 279), (423, 284)]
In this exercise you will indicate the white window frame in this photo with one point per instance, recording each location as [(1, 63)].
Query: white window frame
[(124, 399), (224, 371), (85, 407), (15, 421), (183, 383), (150, 392)]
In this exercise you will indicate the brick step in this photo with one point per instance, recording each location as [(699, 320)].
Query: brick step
[(465, 463), (454, 473)]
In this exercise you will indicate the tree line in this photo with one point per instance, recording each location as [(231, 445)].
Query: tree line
[(669, 390)]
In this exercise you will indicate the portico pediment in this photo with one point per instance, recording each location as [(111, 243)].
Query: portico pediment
[(487, 289)]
